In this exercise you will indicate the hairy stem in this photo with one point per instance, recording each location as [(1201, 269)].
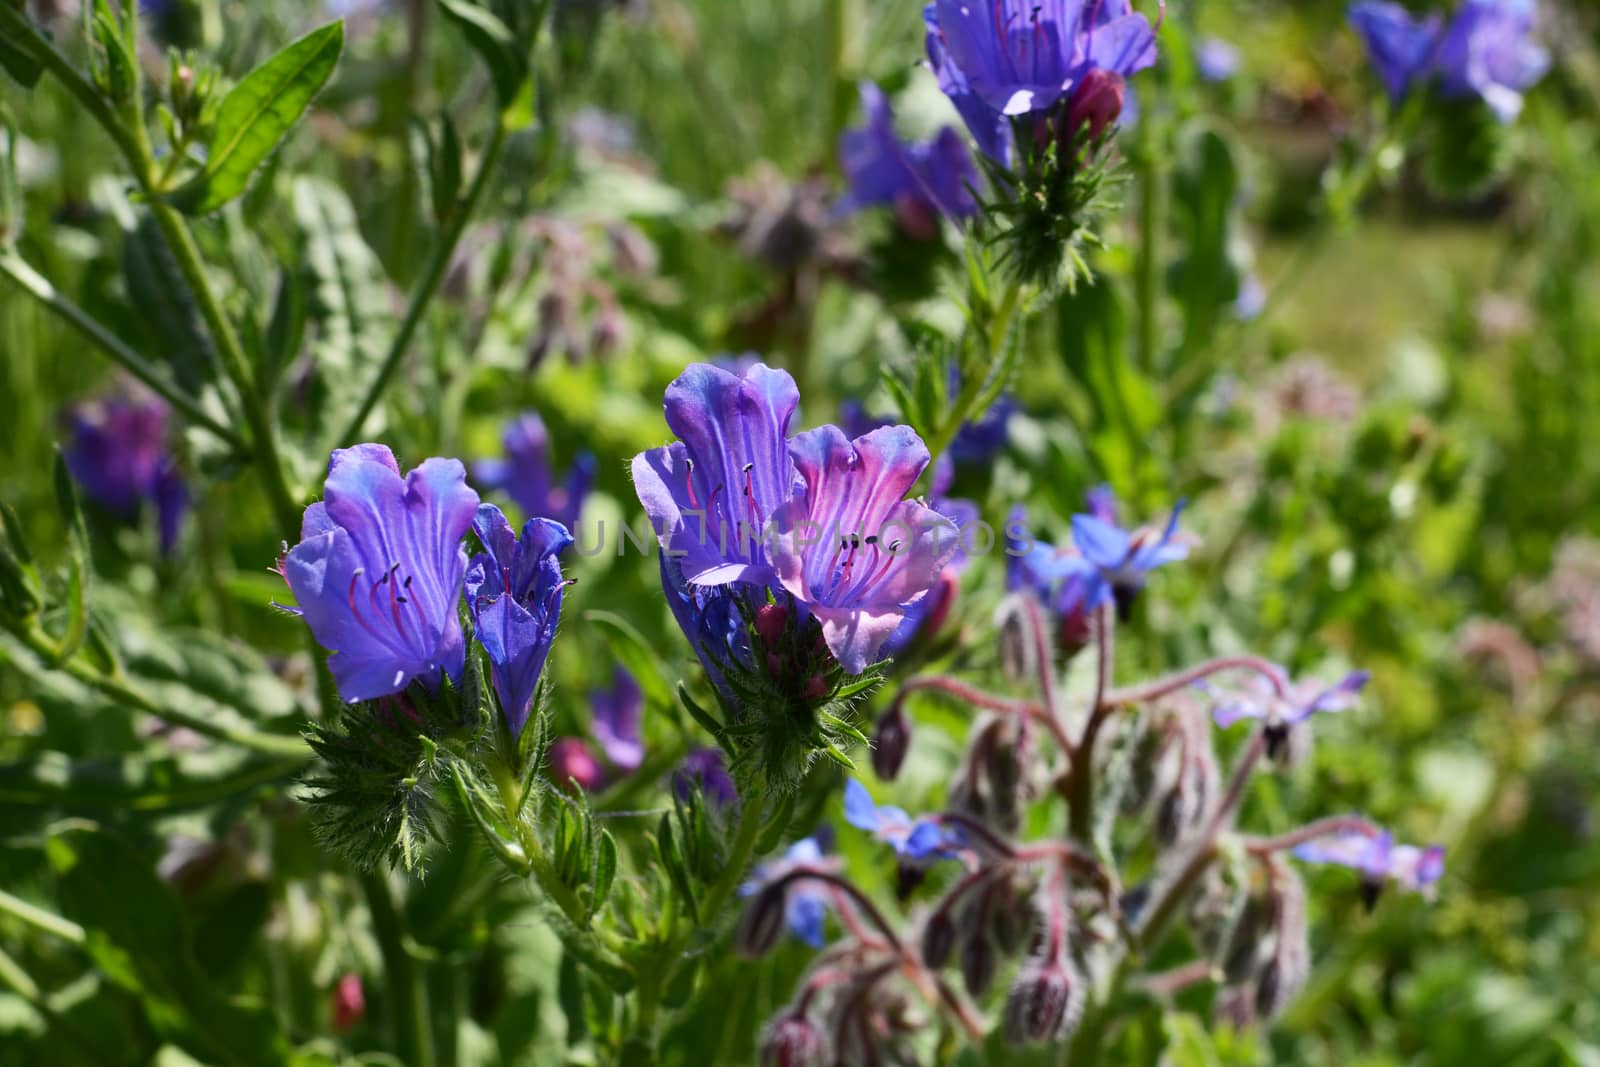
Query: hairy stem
[(1160, 687)]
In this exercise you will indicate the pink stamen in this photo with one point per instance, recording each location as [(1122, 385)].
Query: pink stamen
[(688, 480)]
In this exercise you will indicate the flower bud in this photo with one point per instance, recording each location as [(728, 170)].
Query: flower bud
[(633, 253), (608, 333), (1284, 973), (349, 1003), (938, 939), (762, 923), (1044, 1004), (771, 622), (919, 219), (573, 766), (815, 689), (792, 1041), (891, 740), (978, 964), (1096, 103)]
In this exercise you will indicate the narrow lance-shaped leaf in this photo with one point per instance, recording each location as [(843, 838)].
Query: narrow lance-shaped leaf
[(256, 116), (494, 43)]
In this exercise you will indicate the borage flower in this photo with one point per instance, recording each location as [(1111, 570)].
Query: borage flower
[(1378, 860), (922, 181), (805, 904), (917, 842), (526, 477), (118, 451), (1119, 561), (1280, 713), (617, 712), (851, 548), (378, 572), (514, 590)]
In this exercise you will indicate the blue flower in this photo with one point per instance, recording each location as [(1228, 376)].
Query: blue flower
[(1217, 59), (378, 572), (1119, 560), (617, 712), (525, 475), (118, 451), (1487, 50), (1378, 860), (704, 767), (922, 181), (514, 590), (917, 842), (1300, 701), (805, 905)]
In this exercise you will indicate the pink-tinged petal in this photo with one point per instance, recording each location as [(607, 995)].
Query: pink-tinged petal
[(855, 635), (1123, 46)]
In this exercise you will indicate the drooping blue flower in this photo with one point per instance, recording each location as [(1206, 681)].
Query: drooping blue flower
[(1378, 860), (805, 905), (711, 494), (526, 477), (1024, 57), (918, 842), (617, 713), (1216, 59), (850, 547), (1486, 50), (1120, 560), (118, 450), (514, 591), (378, 572), (704, 766), (1303, 699), (922, 181)]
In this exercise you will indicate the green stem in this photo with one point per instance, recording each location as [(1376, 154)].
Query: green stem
[(995, 334), (428, 285), (38, 286), (407, 987), (126, 696), (12, 974), (40, 919)]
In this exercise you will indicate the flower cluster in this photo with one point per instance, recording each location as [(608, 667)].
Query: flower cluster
[(118, 450)]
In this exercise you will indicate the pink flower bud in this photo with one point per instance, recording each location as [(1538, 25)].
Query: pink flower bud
[(1096, 102), (792, 1041), (573, 766), (890, 742), (771, 621), (349, 1002), (816, 688)]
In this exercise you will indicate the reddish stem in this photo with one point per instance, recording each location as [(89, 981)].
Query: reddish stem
[(1144, 694)]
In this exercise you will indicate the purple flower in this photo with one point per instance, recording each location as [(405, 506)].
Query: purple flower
[(1057, 576), (573, 766), (1118, 561), (1023, 57), (1378, 860), (378, 572), (1486, 50), (805, 905), (525, 475), (1302, 700), (711, 494), (712, 620), (617, 712), (1252, 298), (514, 590), (118, 452), (917, 842), (1217, 59), (704, 767), (851, 548), (922, 181)]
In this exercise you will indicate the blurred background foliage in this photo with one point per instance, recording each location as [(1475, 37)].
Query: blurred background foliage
[(1391, 465)]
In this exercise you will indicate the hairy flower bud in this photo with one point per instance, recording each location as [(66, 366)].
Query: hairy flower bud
[(573, 766), (978, 964), (771, 622), (891, 740), (1096, 104), (1283, 973), (1044, 1004), (938, 938), (762, 923), (792, 1041)]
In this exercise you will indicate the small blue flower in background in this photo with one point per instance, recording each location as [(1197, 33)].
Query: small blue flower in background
[(1118, 561), (1056, 575), (378, 572), (1486, 50), (921, 181), (1216, 59), (514, 590), (525, 475), (851, 548), (117, 450), (917, 842), (617, 712), (1378, 860), (1252, 298), (1303, 700), (805, 907), (705, 767)]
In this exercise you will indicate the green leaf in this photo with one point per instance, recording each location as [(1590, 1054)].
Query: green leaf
[(495, 45), (56, 781), (635, 653), (605, 870), (77, 563), (256, 116), (19, 63)]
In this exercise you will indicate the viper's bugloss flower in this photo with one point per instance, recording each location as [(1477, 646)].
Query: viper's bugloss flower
[(1001, 58), (378, 572), (1302, 699), (118, 450), (711, 494), (525, 474), (915, 841), (1486, 50), (514, 590), (851, 548), (617, 712), (922, 181), (1118, 560), (1378, 860), (704, 767), (805, 905)]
